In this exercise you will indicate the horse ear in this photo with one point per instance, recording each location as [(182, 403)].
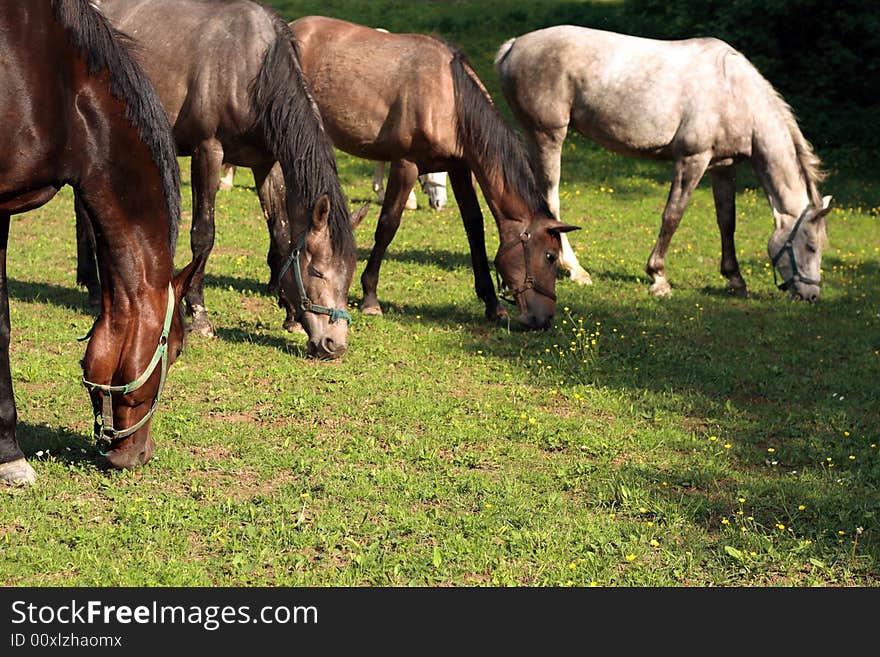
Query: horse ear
[(358, 216), (321, 213), (183, 280), (824, 210), (560, 227)]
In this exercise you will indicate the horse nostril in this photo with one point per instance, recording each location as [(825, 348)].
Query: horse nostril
[(814, 298), (332, 348)]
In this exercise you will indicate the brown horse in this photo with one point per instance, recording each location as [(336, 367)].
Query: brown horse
[(79, 111), (249, 106), (415, 101)]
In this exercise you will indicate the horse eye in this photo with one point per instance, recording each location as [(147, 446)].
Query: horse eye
[(314, 272), (811, 248), (551, 257)]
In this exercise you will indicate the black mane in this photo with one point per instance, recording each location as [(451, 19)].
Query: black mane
[(484, 132), (293, 130), (105, 48)]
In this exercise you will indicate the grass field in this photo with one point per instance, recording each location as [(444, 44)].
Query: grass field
[(699, 440)]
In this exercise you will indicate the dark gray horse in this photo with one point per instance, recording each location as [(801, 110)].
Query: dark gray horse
[(697, 102), (249, 105)]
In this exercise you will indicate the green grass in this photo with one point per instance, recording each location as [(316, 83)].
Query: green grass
[(699, 440)]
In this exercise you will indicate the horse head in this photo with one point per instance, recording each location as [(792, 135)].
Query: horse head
[(527, 267), (796, 251), (434, 185), (316, 278), (133, 351)]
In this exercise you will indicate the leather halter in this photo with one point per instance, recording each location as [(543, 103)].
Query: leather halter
[(104, 426), (529, 283), (788, 247), (306, 304)]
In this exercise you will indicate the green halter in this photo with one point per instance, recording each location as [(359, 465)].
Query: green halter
[(104, 422), (788, 247), (306, 304)]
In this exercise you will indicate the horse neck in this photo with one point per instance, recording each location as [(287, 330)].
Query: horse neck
[(122, 189), (776, 163), (507, 205)]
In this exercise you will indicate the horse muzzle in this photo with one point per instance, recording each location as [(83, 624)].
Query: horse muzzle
[(131, 452)]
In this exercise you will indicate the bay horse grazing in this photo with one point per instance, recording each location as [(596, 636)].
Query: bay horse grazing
[(78, 111), (414, 101), (248, 105), (697, 102)]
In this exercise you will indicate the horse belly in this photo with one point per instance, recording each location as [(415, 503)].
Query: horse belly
[(632, 130)]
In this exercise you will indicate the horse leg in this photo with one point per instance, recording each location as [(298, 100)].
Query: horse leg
[(273, 199), (400, 181), (14, 469), (687, 174), (86, 250), (469, 206), (724, 191), (227, 177), (379, 182), (546, 155), (207, 159)]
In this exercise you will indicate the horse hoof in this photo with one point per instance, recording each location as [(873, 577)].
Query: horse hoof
[(498, 315), (581, 277), (203, 330), (661, 289), (18, 472), (371, 310), (738, 290)]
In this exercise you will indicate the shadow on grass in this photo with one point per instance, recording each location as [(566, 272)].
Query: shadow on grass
[(293, 346), (39, 441), (238, 284), (441, 258), (71, 298)]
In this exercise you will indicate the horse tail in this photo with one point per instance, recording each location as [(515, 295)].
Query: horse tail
[(502, 53), (484, 135), (290, 123)]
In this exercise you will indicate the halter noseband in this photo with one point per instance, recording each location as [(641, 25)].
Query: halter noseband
[(789, 248), (305, 303), (529, 282), (104, 422)]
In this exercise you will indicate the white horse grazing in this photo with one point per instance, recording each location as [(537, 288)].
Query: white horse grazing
[(433, 185), (227, 176), (697, 102)]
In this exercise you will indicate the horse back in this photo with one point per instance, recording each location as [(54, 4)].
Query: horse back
[(632, 95), (200, 57), (380, 95)]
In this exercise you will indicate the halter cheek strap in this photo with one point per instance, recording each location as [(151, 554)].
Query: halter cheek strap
[(104, 422), (306, 304), (508, 293), (788, 248)]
